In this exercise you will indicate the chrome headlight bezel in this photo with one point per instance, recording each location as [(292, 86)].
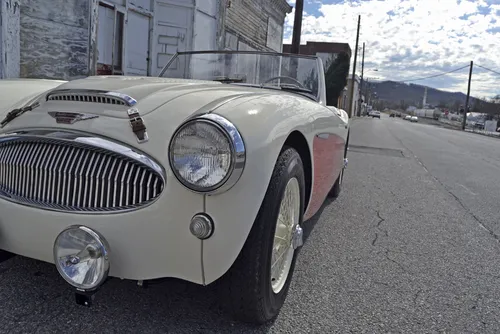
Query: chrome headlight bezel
[(237, 147), (99, 243)]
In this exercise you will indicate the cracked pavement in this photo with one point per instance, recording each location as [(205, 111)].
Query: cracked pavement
[(411, 245)]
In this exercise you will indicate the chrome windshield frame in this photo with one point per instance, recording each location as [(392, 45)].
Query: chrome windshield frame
[(321, 95), (180, 53)]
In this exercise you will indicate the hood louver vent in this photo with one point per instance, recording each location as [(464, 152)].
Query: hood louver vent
[(86, 98), (92, 96)]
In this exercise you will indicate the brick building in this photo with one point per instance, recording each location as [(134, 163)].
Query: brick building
[(68, 39)]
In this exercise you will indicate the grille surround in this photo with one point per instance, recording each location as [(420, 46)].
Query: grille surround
[(59, 185)]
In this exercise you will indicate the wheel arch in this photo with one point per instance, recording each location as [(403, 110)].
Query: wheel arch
[(297, 141), (264, 143)]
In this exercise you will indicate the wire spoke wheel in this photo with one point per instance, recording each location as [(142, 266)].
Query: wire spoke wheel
[(258, 282), (283, 251)]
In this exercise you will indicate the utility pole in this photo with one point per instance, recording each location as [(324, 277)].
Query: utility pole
[(354, 70), (297, 26), (361, 84), (468, 96)]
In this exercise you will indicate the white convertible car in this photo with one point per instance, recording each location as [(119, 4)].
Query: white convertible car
[(206, 173)]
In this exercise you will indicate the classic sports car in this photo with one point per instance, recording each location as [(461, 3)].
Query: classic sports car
[(206, 173)]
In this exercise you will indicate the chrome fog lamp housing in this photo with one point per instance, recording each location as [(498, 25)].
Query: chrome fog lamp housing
[(81, 256), (207, 154)]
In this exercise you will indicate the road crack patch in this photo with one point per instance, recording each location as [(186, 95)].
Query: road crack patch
[(381, 219), (457, 199), (381, 230), (405, 270), (476, 218), (416, 297)]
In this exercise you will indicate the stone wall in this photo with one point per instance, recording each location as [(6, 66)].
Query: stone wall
[(55, 39), (9, 38)]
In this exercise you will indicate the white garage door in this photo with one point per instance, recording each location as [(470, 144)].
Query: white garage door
[(137, 44), (173, 32)]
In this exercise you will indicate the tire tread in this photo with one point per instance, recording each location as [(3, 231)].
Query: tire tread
[(247, 302)]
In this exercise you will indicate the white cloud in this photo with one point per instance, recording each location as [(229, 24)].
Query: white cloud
[(419, 38)]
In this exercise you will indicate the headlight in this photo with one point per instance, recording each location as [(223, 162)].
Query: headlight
[(207, 154), (81, 256)]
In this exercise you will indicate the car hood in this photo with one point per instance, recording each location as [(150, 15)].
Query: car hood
[(173, 95), (150, 93), (162, 103)]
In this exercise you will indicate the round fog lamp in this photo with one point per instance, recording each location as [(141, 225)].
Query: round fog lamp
[(81, 256), (201, 226)]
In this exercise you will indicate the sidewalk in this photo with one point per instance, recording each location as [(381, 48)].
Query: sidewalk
[(484, 132), (458, 126)]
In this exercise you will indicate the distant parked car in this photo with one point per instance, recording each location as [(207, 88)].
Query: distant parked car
[(479, 125), (398, 114), (375, 113), (392, 114), (413, 119), (407, 118)]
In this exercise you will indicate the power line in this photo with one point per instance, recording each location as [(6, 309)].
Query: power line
[(488, 69), (435, 75)]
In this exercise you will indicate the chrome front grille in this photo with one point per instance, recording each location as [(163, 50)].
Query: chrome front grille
[(71, 175)]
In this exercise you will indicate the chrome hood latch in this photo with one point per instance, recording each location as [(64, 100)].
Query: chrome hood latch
[(138, 126)]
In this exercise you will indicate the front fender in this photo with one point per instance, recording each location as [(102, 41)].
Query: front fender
[(264, 124)]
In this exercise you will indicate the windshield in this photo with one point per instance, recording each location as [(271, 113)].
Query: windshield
[(267, 70)]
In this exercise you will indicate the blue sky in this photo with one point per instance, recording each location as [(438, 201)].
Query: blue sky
[(407, 39)]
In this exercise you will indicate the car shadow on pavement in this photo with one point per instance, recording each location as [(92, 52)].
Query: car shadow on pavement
[(308, 225), (36, 297), (4, 256)]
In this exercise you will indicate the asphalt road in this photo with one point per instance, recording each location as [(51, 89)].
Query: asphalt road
[(410, 246)]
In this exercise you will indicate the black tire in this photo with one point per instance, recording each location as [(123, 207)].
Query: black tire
[(337, 186), (247, 285)]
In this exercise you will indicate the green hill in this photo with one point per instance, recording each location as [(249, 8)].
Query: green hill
[(399, 95)]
